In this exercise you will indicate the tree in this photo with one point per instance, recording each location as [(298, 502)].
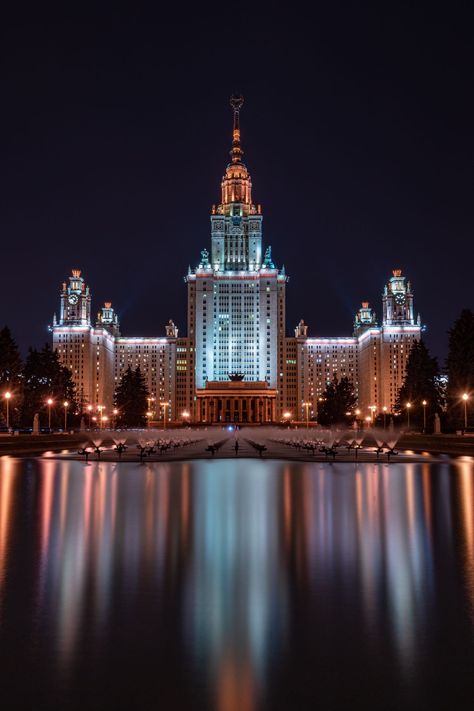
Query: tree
[(10, 375), (338, 399), (131, 399), (460, 367), (44, 377), (421, 383)]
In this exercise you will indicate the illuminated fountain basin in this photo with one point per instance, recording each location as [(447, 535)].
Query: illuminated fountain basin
[(241, 584), (268, 442)]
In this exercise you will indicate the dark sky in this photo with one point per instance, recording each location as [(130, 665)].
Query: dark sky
[(357, 129)]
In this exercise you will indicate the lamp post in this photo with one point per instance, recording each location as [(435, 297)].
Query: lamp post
[(287, 417), (372, 409), (185, 415), (164, 405), (408, 413), (150, 400), (316, 412), (465, 397), (358, 422), (368, 419), (424, 403), (7, 398), (89, 411), (66, 405), (384, 416), (49, 402), (115, 411), (307, 406)]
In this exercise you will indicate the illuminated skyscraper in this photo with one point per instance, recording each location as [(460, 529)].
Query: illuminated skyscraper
[(236, 296)]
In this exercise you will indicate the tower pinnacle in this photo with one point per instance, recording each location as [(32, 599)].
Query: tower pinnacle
[(236, 184), (236, 101)]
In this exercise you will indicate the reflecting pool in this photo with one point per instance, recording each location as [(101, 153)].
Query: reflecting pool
[(236, 585)]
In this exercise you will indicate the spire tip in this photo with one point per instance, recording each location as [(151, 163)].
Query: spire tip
[(236, 101)]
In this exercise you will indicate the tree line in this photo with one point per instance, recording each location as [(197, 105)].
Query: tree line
[(42, 377), (424, 382)]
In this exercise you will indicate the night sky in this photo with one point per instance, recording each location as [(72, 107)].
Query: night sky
[(357, 129)]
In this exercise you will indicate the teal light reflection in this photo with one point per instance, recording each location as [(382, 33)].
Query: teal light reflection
[(236, 591)]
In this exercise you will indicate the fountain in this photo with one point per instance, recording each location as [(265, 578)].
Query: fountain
[(97, 447), (84, 450)]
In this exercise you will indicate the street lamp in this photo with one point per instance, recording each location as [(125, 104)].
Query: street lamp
[(115, 411), (368, 419), (164, 404), (150, 400), (287, 416), (89, 410), (7, 398), (408, 413), (384, 416), (66, 405), (424, 403), (316, 413), (372, 409), (103, 418), (307, 406), (465, 397), (185, 415), (358, 421), (49, 402)]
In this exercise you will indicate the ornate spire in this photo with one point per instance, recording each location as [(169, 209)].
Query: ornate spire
[(236, 101), (236, 184)]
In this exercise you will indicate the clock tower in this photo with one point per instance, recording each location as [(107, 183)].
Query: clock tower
[(75, 309), (397, 301)]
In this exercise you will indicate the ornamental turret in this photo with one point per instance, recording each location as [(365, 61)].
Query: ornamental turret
[(75, 301), (397, 300), (171, 329), (364, 318), (301, 331), (108, 319)]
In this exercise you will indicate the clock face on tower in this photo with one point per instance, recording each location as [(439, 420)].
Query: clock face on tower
[(73, 299), (400, 298)]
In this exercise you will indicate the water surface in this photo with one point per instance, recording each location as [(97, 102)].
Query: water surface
[(236, 585)]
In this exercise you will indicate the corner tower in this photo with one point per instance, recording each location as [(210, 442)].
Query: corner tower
[(75, 301), (397, 301)]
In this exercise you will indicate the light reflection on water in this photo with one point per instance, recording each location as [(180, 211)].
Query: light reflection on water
[(245, 584)]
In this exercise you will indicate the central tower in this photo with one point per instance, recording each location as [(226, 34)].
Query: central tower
[(236, 296), (236, 223)]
